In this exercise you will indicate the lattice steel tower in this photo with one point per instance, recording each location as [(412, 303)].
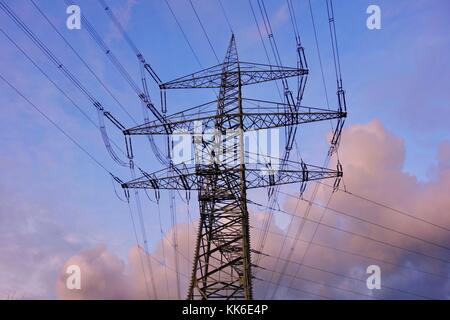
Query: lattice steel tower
[(222, 264)]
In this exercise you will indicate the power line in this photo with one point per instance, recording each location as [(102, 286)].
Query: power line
[(143, 63), (204, 31), (78, 84), (82, 60), (183, 33), (319, 283), (60, 129), (334, 43), (334, 143), (120, 68), (163, 246), (71, 100), (320, 245), (168, 267), (294, 22), (263, 44), (340, 212), (225, 15), (173, 214), (318, 54), (335, 140), (401, 212), (295, 289), (340, 275), (290, 131), (139, 252), (57, 86), (299, 230), (75, 81), (361, 235)]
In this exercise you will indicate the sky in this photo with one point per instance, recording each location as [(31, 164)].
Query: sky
[(58, 207)]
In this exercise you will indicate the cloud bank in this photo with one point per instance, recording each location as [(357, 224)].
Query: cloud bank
[(373, 159)]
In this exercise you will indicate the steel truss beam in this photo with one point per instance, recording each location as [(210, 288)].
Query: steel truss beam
[(186, 178), (250, 73), (251, 121)]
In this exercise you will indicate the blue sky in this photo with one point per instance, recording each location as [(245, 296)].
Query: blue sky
[(399, 75)]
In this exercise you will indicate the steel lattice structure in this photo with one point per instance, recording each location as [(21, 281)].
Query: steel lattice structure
[(222, 264)]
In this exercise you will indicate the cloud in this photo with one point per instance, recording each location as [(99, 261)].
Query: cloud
[(373, 159), (105, 276), (102, 275)]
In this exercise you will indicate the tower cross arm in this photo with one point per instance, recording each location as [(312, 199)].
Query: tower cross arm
[(189, 124), (250, 73), (256, 176)]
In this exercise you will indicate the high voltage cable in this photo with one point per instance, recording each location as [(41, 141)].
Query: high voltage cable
[(290, 131), (294, 22), (163, 247), (144, 95), (339, 87), (75, 81), (318, 53), (173, 214), (46, 51), (82, 60), (332, 26), (170, 268), (300, 264), (401, 212), (316, 227), (300, 230), (139, 251), (119, 67), (183, 33), (295, 289), (156, 78), (60, 129), (48, 78), (340, 212), (263, 44), (120, 27), (143, 232), (340, 275), (298, 233), (317, 244), (360, 235), (67, 73), (130, 42), (320, 283), (77, 106), (204, 30), (225, 15), (65, 94)]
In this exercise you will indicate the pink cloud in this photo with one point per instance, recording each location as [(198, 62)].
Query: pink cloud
[(373, 158)]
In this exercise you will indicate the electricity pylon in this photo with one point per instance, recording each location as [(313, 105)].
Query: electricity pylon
[(222, 264)]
